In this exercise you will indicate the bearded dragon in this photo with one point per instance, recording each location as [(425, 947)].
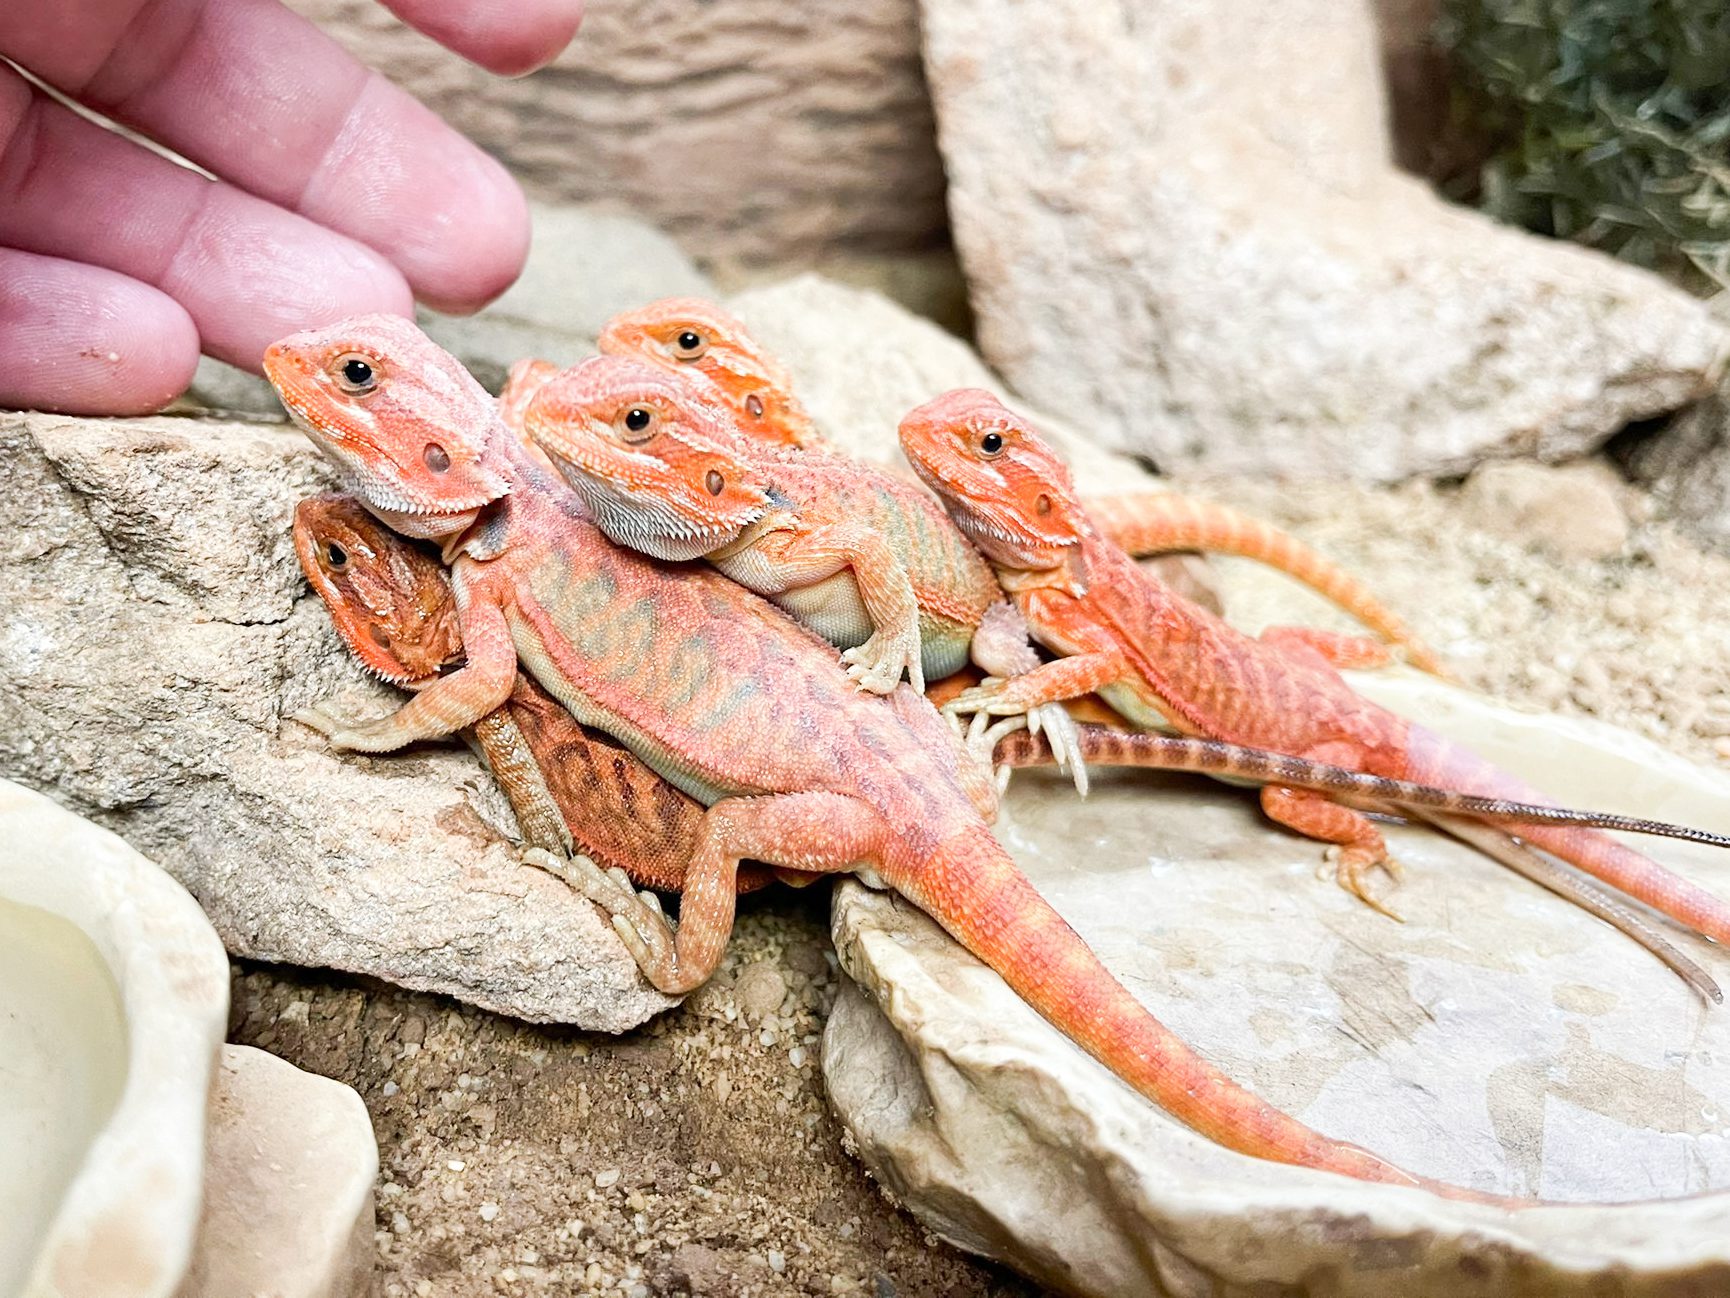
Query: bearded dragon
[(392, 604), (693, 336), (1162, 662), (727, 698)]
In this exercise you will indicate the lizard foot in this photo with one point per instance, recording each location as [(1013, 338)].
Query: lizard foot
[(637, 916), (879, 663), (1051, 719), (317, 718), (377, 736), (1352, 869)]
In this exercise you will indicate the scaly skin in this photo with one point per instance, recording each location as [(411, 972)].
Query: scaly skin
[(393, 606), (1161, 661), (726, 697), (392, 603), (865, 558), (693, 336)]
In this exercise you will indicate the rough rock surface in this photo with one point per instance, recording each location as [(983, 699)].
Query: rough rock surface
[(289, 1167), (1687, 467), (750, 130), (158, 633), (1499, 1038), (1154, 237)]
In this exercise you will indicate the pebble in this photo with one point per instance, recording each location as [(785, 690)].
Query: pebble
[(489, 1211), (760, 989), (607, 1179)]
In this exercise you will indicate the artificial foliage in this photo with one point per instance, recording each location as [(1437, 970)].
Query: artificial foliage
[(1609, 122)]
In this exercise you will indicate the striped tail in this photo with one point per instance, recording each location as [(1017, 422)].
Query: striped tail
[(1432, 758), (1153, 522), (1104, 746), (972, 887)]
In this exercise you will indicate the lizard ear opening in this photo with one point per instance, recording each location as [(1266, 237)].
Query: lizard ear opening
[(754, 406), (436, 458), (714, 482)]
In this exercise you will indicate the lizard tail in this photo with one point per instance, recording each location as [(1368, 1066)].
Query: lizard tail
[(973, 888), (1433, 758), (1104, 746), (1152, 522), (1583, 892)]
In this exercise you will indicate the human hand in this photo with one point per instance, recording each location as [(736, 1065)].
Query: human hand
[(336, 193)]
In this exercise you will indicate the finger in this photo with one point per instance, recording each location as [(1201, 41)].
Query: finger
[(86, 341), (504, 36), (263, 99), (245, 271)]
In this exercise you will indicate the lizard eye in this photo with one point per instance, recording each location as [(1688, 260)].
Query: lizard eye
[(754, 406), (991, 443), (636, 424), (335, 556), (436, 458), (714, 482), (355, 374), (689, 345)]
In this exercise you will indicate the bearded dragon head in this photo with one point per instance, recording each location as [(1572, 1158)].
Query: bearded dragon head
[(690, 334), (411, 432), (1004, 487), (657, 462), (391, 602)]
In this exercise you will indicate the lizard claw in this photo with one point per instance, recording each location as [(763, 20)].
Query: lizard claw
[(1352, 870), (316, 718), (1064, 740), (879, 663), (637, 917)]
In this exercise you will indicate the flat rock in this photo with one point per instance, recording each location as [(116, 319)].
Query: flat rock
[(1158, 244), (289, 1168), (158, 633), (1499, 1039), (751, 130)]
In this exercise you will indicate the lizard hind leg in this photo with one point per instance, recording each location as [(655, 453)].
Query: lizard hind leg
[(1359, 849), (818, 833)]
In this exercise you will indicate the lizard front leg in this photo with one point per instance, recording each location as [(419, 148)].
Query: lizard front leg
[(802, 559), (449, 704), (816, 833), (1052, 682), (1001, 649)]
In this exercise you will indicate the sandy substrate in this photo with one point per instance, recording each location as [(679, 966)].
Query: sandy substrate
[(698, 1155)]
